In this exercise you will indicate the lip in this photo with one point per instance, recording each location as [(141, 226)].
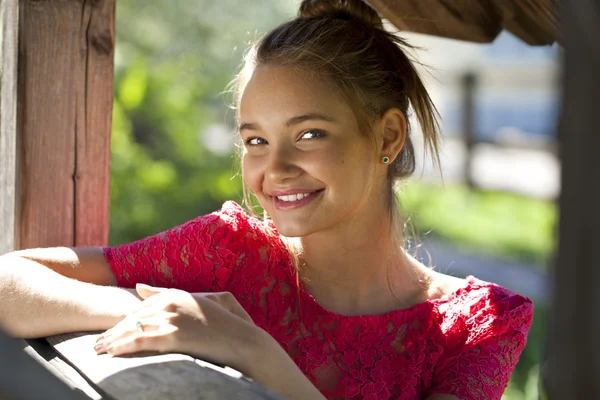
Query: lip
[(290, 205)]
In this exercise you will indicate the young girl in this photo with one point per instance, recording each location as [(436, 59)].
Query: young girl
[(322, 294)]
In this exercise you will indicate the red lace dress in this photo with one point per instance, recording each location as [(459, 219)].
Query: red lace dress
[(465, 344)]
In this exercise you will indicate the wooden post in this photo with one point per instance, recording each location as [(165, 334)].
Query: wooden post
[(65, 105), (8, 126), (468, 85), (573, 368)]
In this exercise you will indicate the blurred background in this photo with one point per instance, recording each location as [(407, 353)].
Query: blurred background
[(490, 212)]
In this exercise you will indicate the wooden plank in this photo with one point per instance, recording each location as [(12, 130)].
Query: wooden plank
[(41, 351), (65, 99), (17, 376), (94, 116), (573, 365), (473, 21), (534, 21), (155, 376), (8, 126)]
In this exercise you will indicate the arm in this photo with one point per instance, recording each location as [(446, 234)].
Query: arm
[(269, 365), (56, 290)]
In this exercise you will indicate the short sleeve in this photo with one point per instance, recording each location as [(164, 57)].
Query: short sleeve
[(196, 256), (486, 340)]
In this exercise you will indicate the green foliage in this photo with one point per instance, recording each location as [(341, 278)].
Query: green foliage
[(172, 141), (530, 389), (531, 357), (494, 223)]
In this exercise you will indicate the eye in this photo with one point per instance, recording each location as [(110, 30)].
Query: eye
[(255, 141), (313, 134)]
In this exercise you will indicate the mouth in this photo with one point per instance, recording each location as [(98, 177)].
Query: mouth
[(295, 200)]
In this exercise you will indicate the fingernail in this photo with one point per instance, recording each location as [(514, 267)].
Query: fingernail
[(100, 348)]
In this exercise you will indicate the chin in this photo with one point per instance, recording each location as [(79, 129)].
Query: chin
[(293, 230)]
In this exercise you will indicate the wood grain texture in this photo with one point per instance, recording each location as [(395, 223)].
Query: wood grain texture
[(41, 351), (8, 126), (65, 100), (480, 21), (94, 113), (155, 377), (474, 21), (25, 379)]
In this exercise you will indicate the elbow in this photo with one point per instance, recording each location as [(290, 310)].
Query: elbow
[(11, 319)]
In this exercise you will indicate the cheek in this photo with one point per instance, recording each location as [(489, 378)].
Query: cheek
[(251, 174)]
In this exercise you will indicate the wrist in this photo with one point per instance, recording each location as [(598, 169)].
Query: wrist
[(268, 364), (118, 304), (256, 344)]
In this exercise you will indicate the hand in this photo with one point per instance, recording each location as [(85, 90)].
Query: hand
[(213, 326)]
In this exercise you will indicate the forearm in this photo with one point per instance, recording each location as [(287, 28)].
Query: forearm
[(268, 364), (36, 301)]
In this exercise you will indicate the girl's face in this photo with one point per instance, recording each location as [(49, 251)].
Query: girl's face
[(304, 156)]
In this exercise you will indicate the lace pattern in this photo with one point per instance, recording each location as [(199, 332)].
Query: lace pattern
[(465, 344)]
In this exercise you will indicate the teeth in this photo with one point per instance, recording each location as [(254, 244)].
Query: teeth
[(293, 197)]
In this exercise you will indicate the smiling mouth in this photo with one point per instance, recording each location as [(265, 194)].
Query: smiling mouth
[(294, 200), (294, 197)]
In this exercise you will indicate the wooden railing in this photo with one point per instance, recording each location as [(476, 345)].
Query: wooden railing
[(68, 368)]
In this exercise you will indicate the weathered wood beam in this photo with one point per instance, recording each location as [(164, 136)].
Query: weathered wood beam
[(533, 21), (573, 368), (65, 94), (8, 126), (25, 379)]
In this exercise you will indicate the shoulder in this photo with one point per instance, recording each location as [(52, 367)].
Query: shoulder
[(233, 214), (478, 310), (231, 218)]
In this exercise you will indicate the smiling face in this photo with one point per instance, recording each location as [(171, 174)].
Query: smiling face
[(305, 157)]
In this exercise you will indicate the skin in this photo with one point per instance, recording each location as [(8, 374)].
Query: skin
[(349, 255), (349, 251)]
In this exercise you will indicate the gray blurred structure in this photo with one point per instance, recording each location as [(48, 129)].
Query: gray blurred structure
[(573, 367)]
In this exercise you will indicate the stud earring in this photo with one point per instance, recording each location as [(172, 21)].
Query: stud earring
[(385, 159)]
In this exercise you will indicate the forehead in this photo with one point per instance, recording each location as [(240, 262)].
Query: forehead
[(285, 91)]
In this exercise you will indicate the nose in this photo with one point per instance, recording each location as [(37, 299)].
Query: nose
[(282, 164)]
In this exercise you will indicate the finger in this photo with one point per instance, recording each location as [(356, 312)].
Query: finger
[(146, 291), (149, 308), (132, 326), (158, 340), (117, 335)]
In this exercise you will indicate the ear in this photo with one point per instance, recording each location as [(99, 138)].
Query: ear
[(392, 128)]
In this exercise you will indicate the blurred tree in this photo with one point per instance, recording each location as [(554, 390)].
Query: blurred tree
[(173, 140)]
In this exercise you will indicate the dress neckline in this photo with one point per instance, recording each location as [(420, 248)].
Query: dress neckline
[(470, 282)]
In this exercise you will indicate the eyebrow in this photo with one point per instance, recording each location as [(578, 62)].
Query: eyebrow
[(292, 121)]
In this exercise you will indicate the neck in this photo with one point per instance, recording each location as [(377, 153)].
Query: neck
[(360, 268)]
